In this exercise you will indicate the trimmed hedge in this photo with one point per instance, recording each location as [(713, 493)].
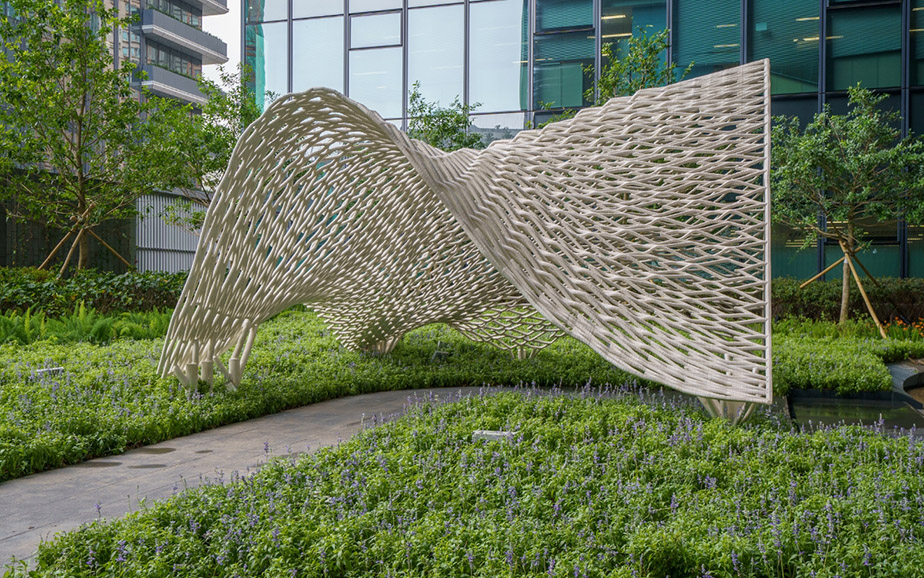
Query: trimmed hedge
[(822, 300), (585, 487), (105, 292)]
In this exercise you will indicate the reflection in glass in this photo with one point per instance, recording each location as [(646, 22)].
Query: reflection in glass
[(787, 254), (917, 42), (376, 30), (497, 60), (265, 10), (309, 8), (494, 127), (707, 33), (416, 3), (865, 46), (552, 15), (620, 18), (317, 53), (559, 75), (787, 33), (266, 51), (915, 251), (435, 45), (373, 5), (375, 80)]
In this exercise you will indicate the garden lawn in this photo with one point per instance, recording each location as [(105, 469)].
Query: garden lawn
[(109, 398), (587, 486)]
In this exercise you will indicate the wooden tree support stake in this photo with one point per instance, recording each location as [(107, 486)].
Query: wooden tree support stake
[(111, 250), (55, 250), (869, 306), (831, 266), (70, 252)]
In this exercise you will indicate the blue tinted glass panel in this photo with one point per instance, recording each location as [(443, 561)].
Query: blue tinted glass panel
[(708, 34), (787, 33), (559, 77), (373, 5), (265, 10), (377, 30), (311, 8), (375, 80), (498, 71), (865, 46), (552, 15), (436, 52), (317, 53), (266, 51)]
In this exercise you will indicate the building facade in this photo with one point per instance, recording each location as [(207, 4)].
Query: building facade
[(522, 60)]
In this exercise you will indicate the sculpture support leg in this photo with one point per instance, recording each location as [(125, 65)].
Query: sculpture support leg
[(734, 411)]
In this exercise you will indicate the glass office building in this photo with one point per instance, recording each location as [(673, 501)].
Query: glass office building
[(522, 60)]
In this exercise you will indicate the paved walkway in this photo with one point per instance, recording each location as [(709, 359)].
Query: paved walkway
[(36, 507)]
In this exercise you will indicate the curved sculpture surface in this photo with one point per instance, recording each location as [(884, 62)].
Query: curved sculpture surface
[(640, 228)]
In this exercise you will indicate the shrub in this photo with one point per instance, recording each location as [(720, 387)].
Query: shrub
[(585, 487), (24, 288), (822, 300), (82, 325)]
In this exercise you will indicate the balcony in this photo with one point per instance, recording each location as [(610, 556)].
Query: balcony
[(210, 7), (163, 82), (184, 37)]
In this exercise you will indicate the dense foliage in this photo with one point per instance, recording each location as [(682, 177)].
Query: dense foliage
[(81, 325), (891, 298), (447, 128), (584, 487), (109, 398), (105, 292)]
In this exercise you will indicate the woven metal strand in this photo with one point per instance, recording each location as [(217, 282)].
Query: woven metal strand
[(640, 228)]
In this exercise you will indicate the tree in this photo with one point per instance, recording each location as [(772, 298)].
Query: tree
[(79, 145), (447, 128), (204, 144), (637, 63), (846, 169)]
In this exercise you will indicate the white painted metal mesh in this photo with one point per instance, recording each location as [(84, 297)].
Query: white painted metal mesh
[(640, 228)]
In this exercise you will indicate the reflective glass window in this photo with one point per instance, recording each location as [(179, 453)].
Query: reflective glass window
[(707, 33), (317, 53), (553, 15), (375, 80), (266, 51), (373, 5), (494, 127), (266, 10), (559, 77), (787, 257), (498, 55), (801, 107), (376, 30), (915, 251), (417, 3), (787, 33), (917, 42), (865, 46), (916, 114), (840, 105), (310, 8), (436, 47), (620, 18)]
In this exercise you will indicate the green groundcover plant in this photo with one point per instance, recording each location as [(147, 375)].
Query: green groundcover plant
[(585, 486)]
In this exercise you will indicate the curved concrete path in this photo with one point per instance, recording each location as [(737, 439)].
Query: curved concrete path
[(36, 507)]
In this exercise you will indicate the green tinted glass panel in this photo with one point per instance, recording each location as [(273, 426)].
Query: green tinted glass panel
[(708, 34), (266, 51), (787, 33), (436, 52), (917, 42), (916, 251), (879, 260), (865, 46), (787, 258), (559, 75), (916, 119), (317, 48), (266, 10), (620, 18), (563, 14), (803, 108), (497, 55)]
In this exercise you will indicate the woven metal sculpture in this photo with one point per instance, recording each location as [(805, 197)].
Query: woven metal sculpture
[(640, 228)]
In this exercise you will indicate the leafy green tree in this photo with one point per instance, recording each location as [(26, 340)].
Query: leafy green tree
[(79, 146), (204, 143), (447, 128), (847, 169), (637, 63)]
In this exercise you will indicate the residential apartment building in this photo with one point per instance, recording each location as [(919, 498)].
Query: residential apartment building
[(515, 58)]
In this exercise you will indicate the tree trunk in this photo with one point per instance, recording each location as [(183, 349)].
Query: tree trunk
[(83, 257)]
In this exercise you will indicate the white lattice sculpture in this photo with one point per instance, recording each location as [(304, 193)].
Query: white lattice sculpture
[(640, 228)]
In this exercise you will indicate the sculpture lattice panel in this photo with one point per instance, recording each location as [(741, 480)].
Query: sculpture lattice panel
[(640, 228)]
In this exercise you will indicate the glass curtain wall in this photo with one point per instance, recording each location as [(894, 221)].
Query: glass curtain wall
[(519, 62)]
